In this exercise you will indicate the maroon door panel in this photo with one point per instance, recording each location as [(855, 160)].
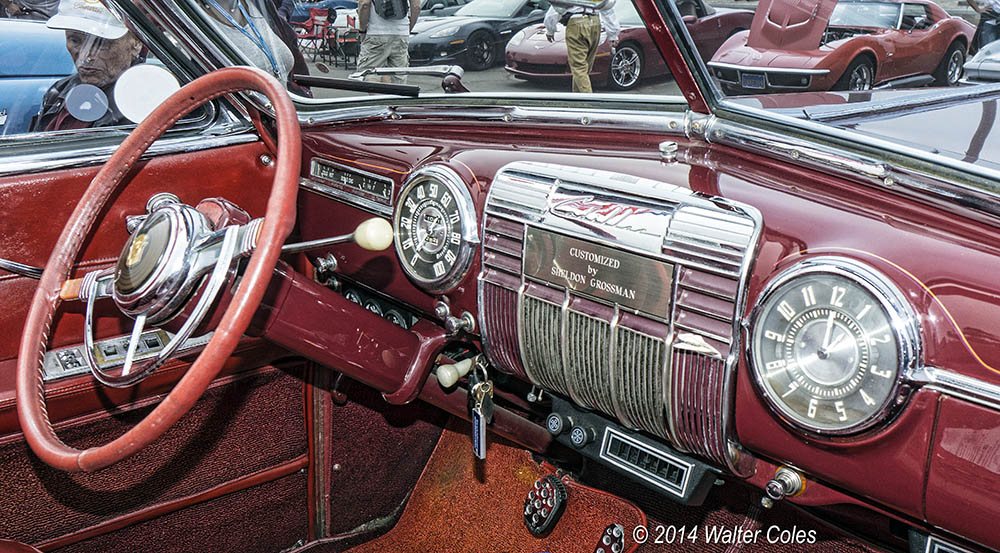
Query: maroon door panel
[(965, 471), (36, 207)]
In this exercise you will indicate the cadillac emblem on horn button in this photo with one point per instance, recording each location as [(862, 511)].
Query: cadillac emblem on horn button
[(136, 250)]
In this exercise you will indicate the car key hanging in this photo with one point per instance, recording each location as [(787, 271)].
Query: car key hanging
[(480, 406)]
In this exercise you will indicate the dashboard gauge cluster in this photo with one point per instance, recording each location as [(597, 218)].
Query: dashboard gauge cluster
[(377, 305), (831, 340), (435, 228)]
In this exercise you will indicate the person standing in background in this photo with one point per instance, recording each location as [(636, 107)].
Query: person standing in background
[(988, 29), (583, 35), (256, 29), (285, 9), (385, 34)]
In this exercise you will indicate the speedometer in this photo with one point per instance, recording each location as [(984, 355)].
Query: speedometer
[(830, 340), (435, 228)]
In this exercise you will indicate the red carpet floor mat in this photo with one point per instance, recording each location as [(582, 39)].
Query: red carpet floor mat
[(461, 505)]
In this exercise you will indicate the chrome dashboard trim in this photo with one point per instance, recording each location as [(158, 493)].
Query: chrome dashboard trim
[(956, 385), (350, 199), (82, 157), (658, 122)]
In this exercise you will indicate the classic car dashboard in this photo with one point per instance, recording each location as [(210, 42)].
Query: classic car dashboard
[(693, 313)]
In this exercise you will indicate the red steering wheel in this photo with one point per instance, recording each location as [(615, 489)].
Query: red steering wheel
[(277, 224)]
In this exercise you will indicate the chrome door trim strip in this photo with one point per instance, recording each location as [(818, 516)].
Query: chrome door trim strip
[(82, 157), (957, 385)]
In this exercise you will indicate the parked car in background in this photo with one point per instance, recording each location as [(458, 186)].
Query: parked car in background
[(32, 57), (845, 45), (440, 7), (475, 36), (985, 65), (529, 55)]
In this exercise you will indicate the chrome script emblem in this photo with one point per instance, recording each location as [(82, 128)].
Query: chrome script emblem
[(607, 212), (136, 250)]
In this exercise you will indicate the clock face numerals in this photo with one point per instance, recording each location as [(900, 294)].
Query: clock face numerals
[(429, 233), (825, 353)]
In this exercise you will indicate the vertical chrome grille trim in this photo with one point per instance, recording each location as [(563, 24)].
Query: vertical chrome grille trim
[(543, 359), (588, 342), (637, 379)]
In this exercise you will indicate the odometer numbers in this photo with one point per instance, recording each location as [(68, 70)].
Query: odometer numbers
[(826, 346)]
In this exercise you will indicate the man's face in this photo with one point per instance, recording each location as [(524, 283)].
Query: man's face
[(100, 61)]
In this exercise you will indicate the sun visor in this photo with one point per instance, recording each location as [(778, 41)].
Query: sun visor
[(790, 24)]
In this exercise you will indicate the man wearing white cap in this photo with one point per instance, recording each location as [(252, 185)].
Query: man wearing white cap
[(102, 49)]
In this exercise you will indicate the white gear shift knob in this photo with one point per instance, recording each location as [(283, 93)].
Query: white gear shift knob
[(448, 375), (375, 234)]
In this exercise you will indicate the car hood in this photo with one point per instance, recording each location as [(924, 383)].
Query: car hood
[(433, 24), (757, 57), (790, 24), (927, 126)]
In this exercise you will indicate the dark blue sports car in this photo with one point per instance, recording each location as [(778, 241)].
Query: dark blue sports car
[(476, 35), (32, 57)]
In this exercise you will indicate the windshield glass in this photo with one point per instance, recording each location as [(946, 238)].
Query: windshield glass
[(865, 14)]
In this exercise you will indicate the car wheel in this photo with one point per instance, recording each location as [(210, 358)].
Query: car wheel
[(480, 51), (949, 71), (626, 67), (860, 75)]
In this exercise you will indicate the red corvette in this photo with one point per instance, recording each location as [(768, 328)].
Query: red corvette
[(845, 45), (531, 56)]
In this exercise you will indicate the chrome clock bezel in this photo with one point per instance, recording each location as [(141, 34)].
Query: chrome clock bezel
[(904, 326), (468, 226)]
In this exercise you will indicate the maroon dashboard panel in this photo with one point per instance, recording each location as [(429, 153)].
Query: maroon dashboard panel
[(962, 485), (944, 275)]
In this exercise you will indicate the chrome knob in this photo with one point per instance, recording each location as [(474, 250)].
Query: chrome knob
[(786, 482)]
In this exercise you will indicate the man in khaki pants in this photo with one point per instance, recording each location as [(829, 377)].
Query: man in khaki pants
[(583, 35)]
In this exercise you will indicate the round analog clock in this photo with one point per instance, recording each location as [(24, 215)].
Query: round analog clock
[(830, 341), (435, 228)]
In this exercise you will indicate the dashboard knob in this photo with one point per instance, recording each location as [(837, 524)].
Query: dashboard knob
[(580, 436), (375, 234), (557, 424), (786, 483), (448, 375)]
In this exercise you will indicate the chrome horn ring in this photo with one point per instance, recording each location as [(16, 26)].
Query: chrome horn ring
[(161, 266)]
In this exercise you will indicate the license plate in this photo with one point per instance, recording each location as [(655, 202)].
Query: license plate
[(752, 80)]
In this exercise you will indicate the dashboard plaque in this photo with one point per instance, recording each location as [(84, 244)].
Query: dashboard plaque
[(598, 271)]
